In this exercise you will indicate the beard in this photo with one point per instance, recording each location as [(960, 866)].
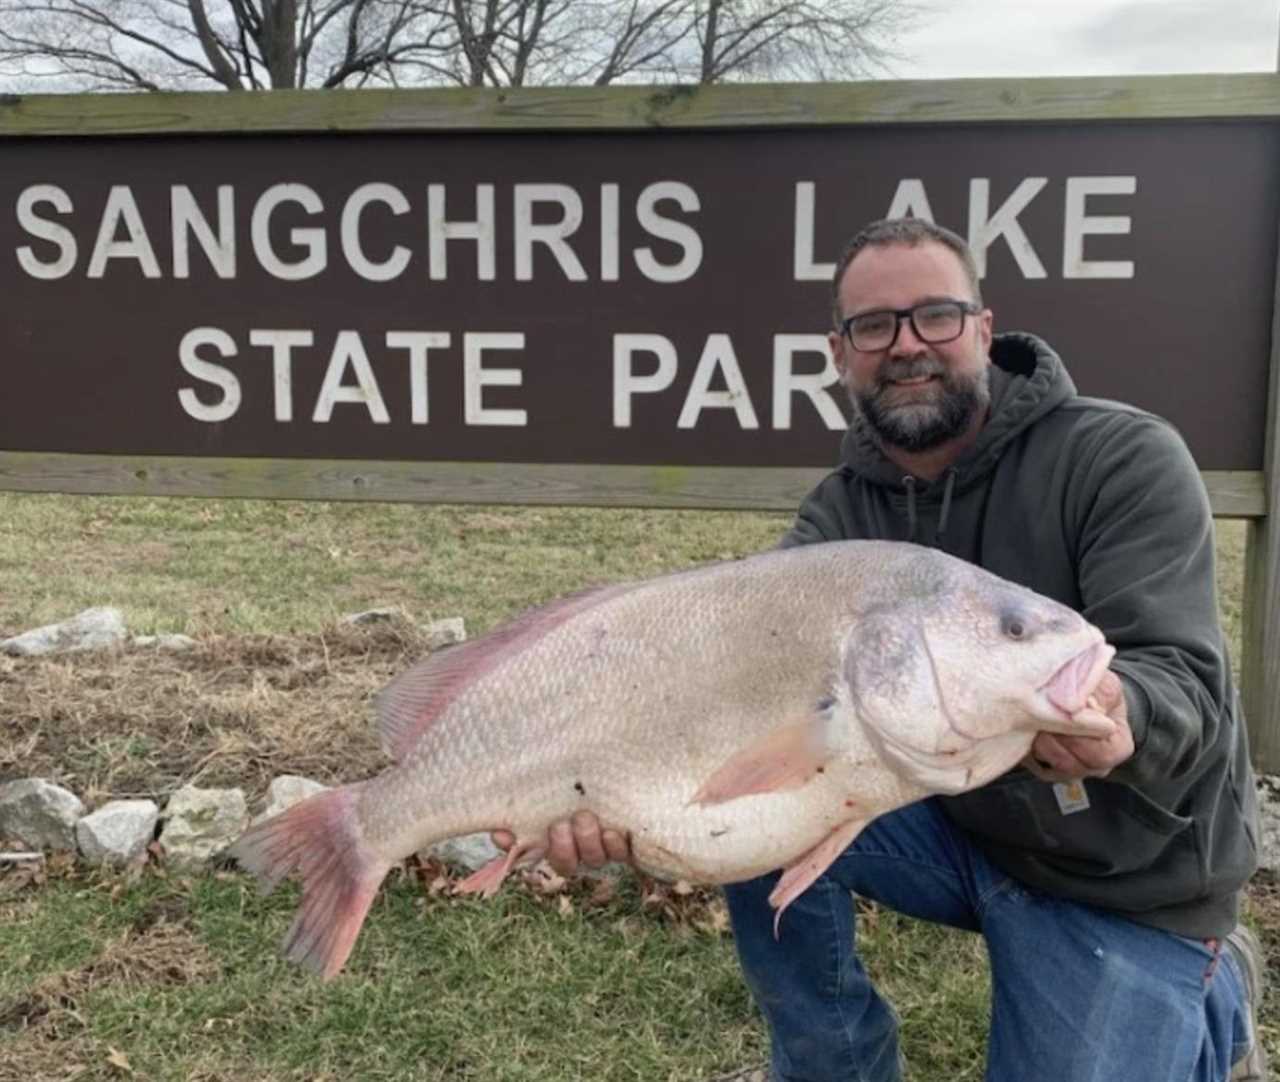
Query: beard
[(922, 422)]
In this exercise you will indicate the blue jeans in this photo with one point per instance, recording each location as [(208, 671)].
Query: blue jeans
[(1078, 994)]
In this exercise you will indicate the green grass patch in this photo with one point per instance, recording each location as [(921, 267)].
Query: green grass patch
[(180, 976), (227, 566)]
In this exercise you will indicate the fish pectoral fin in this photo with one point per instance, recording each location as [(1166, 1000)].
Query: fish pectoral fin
[(786, 758), (800, 874), (488, 879)]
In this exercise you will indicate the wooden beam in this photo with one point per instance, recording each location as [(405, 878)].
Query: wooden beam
[(1260, 664), (1235, 493), (1231, 494), (622, 108)]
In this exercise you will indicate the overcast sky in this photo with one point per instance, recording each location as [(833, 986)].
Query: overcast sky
[(963, 38)]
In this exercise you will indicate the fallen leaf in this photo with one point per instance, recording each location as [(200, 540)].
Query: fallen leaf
[(602, 893), (565, 906), (119, 1060), (716, 919), (545, 880), (432, 874)]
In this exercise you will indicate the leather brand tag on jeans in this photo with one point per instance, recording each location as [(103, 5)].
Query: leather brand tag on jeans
[(1071, 796)]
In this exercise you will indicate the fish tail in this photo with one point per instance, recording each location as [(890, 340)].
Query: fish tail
[(319, 838)]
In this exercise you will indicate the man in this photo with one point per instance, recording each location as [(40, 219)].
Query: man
[(1105, 875)]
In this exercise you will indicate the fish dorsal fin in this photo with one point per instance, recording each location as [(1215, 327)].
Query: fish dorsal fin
[(408, 705)]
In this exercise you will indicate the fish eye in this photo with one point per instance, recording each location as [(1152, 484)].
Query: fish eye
[(1013, 627)]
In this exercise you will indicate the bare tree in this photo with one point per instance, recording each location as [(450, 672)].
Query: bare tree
[(260, 44), (233, 44), (802, 39)]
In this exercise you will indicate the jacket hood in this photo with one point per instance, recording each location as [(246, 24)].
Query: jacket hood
[(1028, 380)]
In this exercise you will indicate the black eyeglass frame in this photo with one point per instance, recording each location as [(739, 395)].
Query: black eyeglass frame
[(967, 308)]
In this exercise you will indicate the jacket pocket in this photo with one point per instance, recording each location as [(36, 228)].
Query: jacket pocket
[(1123, 851)]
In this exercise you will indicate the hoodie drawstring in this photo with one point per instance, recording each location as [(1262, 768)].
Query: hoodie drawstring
[(909, 483), (946, 500)]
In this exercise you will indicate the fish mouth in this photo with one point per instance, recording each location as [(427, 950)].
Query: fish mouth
[(1068, 690)]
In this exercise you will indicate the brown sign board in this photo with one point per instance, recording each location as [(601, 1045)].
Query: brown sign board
[(630, 297)]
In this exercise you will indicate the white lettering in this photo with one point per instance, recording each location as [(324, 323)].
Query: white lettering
[(476, 377), (418, 343), (210, 373), (552, 234), (281, 344), (910, 200), (803, 266), (393, 266), (187, 220), (668, 229), (718, 354), (625, 381), (349, 350), (482, 231), (312, 240), (787, 382), (1079, 224), (985, 229), (121, 209), (610, 230), (56, 234)]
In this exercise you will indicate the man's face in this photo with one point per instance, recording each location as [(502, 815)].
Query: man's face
[(913, 395)]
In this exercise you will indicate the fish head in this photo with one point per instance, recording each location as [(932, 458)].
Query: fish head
[(961, 662)]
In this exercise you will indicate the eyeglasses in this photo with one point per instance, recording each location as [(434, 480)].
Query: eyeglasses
[(933, 322)]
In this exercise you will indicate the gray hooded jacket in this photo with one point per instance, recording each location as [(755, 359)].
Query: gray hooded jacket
[(1100, 506)]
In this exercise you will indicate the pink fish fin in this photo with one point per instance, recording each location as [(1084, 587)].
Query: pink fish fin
[(801, 873), (319, 839), (785, 758), (488, 879), (408, 705)]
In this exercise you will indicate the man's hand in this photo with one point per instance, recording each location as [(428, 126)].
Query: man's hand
[(578, 840), (1055, 757)]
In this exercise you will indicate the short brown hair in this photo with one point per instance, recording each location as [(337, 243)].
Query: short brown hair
[(908, 232)]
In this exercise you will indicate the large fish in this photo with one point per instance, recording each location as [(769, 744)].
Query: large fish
[(732, 719)]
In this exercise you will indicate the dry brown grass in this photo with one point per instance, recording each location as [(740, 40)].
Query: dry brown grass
[(232, 711)]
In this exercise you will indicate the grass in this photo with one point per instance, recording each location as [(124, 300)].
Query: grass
[(150, 974), (185, 984), (179, 976), (222, 566)]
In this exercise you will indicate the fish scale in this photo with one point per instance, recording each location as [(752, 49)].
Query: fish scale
[(731, 720)]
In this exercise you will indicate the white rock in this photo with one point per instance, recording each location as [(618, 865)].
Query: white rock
[(471, 851), (1269, 814), (118, 832), (39, 814), (286, 791), (374, 616), (445, 632), (93, 629), (200, 823), (164, 642)]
